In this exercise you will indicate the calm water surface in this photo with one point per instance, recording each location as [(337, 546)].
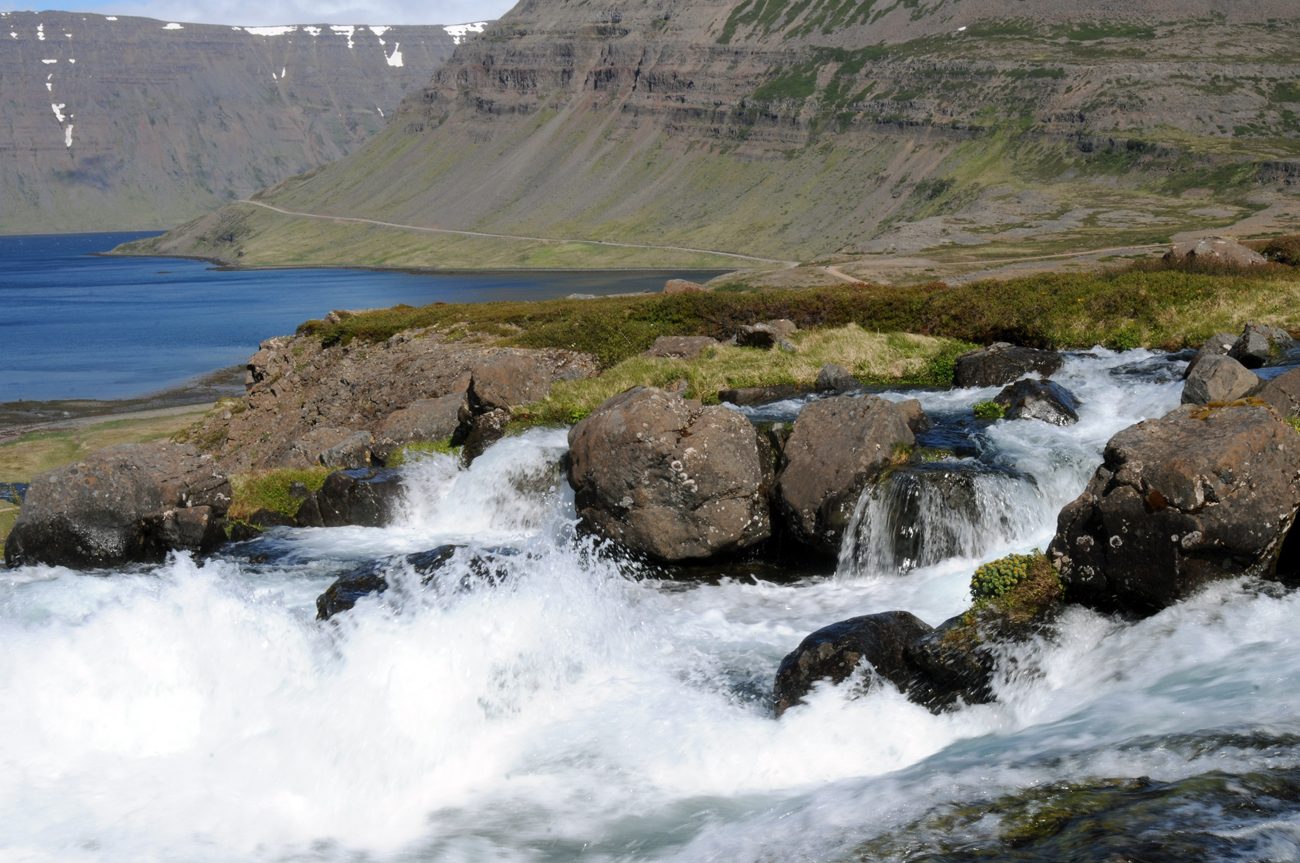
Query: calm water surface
[(78, 326)]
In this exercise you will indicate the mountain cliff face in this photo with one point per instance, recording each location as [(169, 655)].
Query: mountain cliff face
[(111, 123), (796, 128)]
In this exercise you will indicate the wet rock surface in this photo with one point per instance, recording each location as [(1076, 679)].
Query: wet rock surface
[(837, 447), (1199, 495), (1039, 400), (123, 504), (1003, 363), (371, 578), (668, 477), (367, 497), (1218, 378)]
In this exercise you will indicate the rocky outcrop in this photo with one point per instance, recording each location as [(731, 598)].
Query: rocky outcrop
[(682, 286), (1259, 344), (1199, 495), (304, 399), (1003, 363), (371, 578), (123, 504), (680, 347), (1218, 378), (767, 335), (368, 497), (481, 431), (350, 453), (834, 652), (838, 446), (668, 477), (1221, 251), (1031, 399), (1282, 392), (1217, 345), (424, 420), (835, 379)]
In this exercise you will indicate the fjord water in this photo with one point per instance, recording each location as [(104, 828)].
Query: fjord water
[(79, 326), (585, 707)]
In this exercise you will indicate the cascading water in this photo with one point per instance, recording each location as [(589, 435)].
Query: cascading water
[(573, 707)]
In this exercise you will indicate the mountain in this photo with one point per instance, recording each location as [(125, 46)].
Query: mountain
[(790, 129), (119, 123)]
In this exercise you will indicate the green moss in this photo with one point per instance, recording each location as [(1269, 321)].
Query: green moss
[(412, 451), (270, 490), (989, 411)]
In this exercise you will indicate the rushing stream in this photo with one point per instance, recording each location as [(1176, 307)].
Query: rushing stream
[(585, 708)]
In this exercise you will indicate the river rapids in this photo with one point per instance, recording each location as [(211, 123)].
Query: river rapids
[(587, 707)]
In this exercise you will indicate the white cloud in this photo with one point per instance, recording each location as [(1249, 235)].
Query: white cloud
[(273, 12)]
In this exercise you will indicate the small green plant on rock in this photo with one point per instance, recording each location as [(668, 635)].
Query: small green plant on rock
[(996, 578), (412, 451), (989, 411)]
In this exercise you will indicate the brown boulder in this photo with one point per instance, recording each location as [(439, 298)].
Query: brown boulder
[(133, 502), (350, 453), (838, 447), (668, 477), (1216, 345), (1283, 393), (1218, 379), (766, 335), (1198, 495), (424, 420), (508, 380), (682, 286), (680, 347)]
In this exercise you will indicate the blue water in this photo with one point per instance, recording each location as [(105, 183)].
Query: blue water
[(78, 326)]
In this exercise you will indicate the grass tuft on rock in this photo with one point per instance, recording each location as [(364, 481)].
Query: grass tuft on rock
[(989, 411), (270, 490), (412, 451)]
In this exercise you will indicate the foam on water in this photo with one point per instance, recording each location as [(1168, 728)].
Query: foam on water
[(577, 706)]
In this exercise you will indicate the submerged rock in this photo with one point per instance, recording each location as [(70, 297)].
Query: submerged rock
[(369, 578), (1259, 344), (367, 497), (1218, 379), (1003, 363), (123, 504), (1199, 495), (668, 477), (838, 446), (1038, 400)]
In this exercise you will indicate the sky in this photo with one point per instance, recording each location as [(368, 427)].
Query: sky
[(291, 11)]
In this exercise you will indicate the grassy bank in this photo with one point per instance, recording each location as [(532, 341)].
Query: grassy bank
[(1141, 304)]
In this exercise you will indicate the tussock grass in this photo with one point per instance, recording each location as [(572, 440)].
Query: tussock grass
[(873, 357), (1150, 304), (270, 490)]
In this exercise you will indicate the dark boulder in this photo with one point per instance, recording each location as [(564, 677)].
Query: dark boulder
[(748, 396), (1283, 392), (1260, 344), (481, 432), (836, 379), (680, 347), (1217, 345), (368, 497), (917, 419), (1031, 399), (833, 652), (950, 665), (423, 421), (838, 446), (127, 503), (485, 564), (668, 477), (1199, 495), (1218, 379), (1002, 363)]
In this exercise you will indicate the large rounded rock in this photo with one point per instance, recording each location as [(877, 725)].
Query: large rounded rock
[(127, 503), (485, 565), (1002, 363), (1218, 379), (1178, 502), (508, 380), (668, 477), (1039, 400), (834, 652), (838, 446), (1259, 344), (1216, 345), (1221, 251), (367, 497), (424, 420)]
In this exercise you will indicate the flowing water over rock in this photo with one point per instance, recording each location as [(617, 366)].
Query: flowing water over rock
[(569, 704)]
